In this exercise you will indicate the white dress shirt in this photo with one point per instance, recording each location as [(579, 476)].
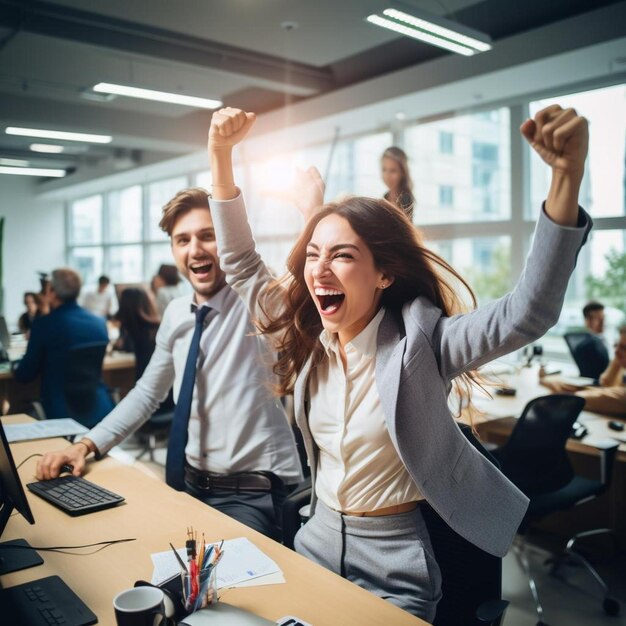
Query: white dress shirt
[(359, 469), (103, 303), (235, 424)]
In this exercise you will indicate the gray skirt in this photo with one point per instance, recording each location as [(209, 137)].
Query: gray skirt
[(390, 555)]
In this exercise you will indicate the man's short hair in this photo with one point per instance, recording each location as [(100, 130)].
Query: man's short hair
[(66, 284), (592, 307), (104, 280), (183, 202)]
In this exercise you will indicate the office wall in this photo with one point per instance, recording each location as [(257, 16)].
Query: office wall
[(34, 239)]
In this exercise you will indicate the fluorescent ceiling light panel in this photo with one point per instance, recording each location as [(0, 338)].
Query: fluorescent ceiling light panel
[(32, 171), (157, 96), (14, 162), (434, 30), (58, 134), (48, 148)]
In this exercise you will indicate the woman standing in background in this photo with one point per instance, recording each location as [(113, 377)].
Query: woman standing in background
[(397, 178)]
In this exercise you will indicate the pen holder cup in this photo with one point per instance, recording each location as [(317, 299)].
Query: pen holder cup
[(207, 590)]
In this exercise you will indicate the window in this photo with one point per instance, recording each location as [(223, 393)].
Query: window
[(159, 194), (477, 168), (86, 221), (484, 262), (125, 215), (446, 142), (604, 185), (446, 196), (117, 233)]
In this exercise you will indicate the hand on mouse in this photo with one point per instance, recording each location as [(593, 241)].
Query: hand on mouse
[(51, 464)]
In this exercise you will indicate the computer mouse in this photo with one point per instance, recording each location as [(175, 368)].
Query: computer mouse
[(615, 425), (506, 391), (66, 469)]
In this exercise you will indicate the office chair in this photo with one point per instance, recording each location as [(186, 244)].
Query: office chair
[(82, 382), (157, 426), (471, 578), (589, 353), (535, 459)]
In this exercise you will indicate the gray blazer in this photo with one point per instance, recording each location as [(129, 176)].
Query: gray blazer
[(420, 352)]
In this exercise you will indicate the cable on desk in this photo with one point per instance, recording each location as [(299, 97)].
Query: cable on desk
[(28, 458), (64, 549)]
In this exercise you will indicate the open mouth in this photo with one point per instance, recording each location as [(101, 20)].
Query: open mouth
[(202, 269), (330, 300)]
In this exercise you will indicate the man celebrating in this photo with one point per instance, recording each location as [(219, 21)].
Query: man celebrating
[(230, 444)]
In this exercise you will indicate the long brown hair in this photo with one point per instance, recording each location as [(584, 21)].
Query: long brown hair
[(406, 199), (398, 251)]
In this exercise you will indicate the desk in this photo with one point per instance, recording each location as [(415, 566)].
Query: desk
[(156, 515), (118, 371), (498, 420)]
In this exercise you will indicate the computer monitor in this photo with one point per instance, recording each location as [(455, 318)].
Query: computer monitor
[(12, 497), (5, 337)]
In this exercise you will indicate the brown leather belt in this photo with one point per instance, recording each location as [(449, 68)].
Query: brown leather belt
[(241, 481), (388, 510)]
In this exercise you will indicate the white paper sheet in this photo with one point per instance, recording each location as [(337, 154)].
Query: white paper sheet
[(43, 429), (242, 562)]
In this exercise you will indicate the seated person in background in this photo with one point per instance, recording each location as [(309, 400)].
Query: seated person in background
[(588, 347), (139, 324), (52, 337), (33, 304), (102, 301), (610, 396), (44, 293), (167, 286), (395, 172), (230, 444)]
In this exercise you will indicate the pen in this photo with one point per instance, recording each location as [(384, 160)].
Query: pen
[(180, 561)]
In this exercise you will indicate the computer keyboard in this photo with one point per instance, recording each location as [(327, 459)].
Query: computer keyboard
[(44, 602), (74, 495)]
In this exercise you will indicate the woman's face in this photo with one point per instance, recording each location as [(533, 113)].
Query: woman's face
[(342, 279), (391, 172), (31, 304)]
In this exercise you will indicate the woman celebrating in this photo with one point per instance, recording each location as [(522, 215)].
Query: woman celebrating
[(371, 341), (394, 165)]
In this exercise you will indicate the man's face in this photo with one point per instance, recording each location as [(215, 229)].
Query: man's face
[(595, 322), (195, 252)]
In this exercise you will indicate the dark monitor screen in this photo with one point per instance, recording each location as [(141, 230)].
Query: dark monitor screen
[(11, 491)]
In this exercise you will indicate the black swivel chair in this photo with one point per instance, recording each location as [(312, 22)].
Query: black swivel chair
[(535, 459), (589, 353), (471, 578)]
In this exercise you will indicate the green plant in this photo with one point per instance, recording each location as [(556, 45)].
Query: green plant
[(611, 287)]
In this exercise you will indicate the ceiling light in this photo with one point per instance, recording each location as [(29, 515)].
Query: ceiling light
[(32, 171), (58, 134), (434, 30), (158, 96), (48, 148), (14, 162)]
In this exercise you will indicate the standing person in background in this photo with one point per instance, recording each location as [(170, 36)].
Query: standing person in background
[(33, 304), (102, 301), (167, 286), (397, 178)]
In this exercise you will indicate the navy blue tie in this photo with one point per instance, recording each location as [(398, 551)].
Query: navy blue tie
[(175, 463)]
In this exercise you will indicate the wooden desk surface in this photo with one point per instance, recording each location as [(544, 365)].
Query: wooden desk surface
[(156, 515), (114, 361)]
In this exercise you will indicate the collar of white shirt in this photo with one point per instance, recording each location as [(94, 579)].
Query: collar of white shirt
[(216, 301), (364, 343)]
